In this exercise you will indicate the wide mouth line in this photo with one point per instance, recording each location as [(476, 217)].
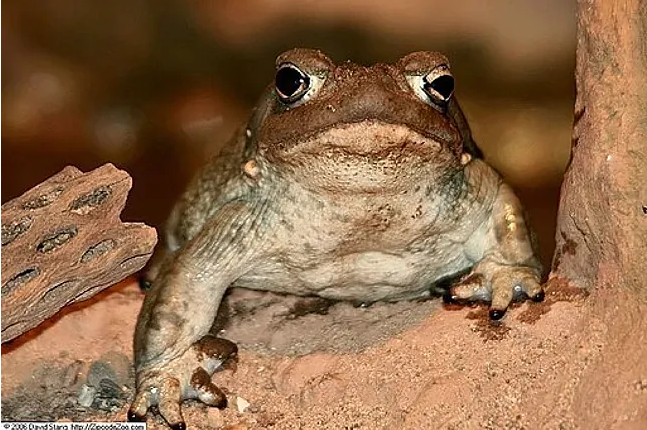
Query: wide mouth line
[(369, 123), (367, 137), (383, 151)]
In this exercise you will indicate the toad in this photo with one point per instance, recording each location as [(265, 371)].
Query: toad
[(348, 183)]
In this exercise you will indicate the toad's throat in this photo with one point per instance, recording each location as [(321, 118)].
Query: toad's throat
[(390, 170)]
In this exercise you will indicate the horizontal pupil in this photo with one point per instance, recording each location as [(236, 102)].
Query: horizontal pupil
[(289, 81), (444, 85)]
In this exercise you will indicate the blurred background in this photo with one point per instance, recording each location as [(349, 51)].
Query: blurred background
[(157, 86)]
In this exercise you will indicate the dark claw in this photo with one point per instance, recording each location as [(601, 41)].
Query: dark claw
[(144, 284), (135, 418), (178, 426), (539, 297), (230, 350), (449, 299), (231, 363), (496, 314), (222, 404)]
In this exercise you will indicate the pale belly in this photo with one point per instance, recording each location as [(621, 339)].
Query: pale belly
[(367, 276)]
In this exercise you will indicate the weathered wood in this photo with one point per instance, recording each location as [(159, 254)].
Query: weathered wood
[(602, 221), (63, 242)]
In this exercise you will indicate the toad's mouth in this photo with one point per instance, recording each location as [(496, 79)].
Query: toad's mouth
[(366, 157), (366, 138)]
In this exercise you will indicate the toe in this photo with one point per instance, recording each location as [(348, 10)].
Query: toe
[(449, 299), (473, 288), (531, 286), (216, 347), (139, 406), (144, 284), (539, 297), (213, 351), (503, 291), (134, 417), (206, 391), (511, 283), (169, 403), (496, 314), (213, 396)]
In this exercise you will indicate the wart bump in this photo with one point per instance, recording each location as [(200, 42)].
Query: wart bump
[(251, 169)]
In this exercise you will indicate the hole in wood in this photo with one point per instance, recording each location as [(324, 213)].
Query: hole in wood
[(43, 200), (87, 202), (57, 239), (20, 279), (98, 250), (53, 294), (14, 229)]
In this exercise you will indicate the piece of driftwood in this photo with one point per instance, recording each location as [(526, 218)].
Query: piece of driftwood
[(602, 221), (63, 242)]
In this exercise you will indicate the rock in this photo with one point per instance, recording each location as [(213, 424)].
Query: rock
[(121, 365), (109, 389), (72, 373), (86, 395), (108, 377), (99, 371), (114, 366), (110, 396), (241, 404), (214, 417)]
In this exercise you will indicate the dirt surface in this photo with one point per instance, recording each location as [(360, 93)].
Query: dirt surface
[(407, 365)]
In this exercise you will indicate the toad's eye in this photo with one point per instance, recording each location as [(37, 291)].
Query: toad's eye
[(435, 88), (439, 85), (291, 83)]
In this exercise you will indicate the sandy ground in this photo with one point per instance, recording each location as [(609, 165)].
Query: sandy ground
[(574, 361)]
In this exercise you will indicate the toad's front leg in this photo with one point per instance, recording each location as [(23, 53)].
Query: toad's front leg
[(507, 265), (174, 354)]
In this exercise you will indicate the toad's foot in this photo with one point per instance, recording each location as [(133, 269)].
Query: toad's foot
[(186, 377), (499, 284)]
